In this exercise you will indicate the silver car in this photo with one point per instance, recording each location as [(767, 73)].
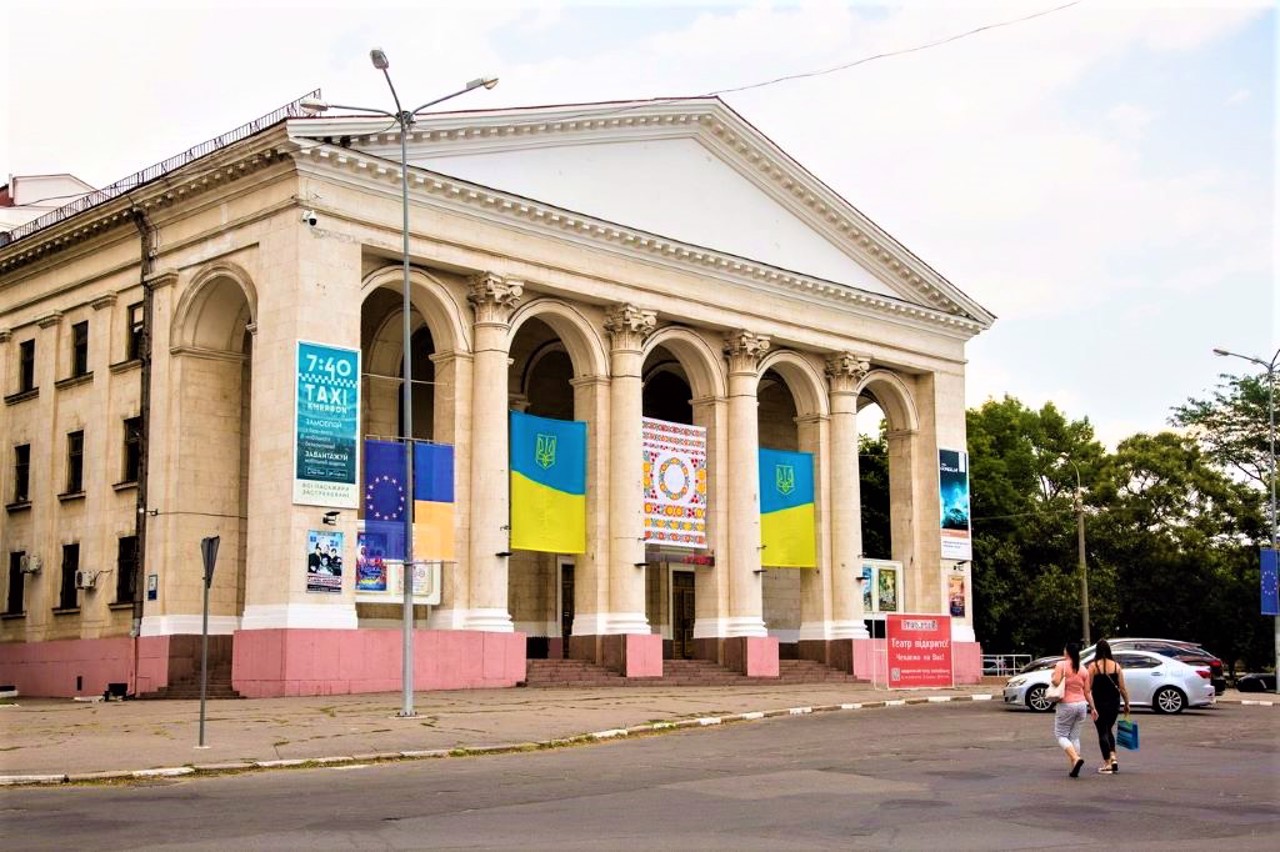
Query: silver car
[(1154, 680)]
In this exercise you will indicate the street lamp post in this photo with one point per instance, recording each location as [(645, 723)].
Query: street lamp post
[(405, 118), (1270, 367)]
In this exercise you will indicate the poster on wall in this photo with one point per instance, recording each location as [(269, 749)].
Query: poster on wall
[(887, 591), (675, 483), (371, 562), (955, 595), (324, 562), (326, 419), (953, 487), (919, 651)]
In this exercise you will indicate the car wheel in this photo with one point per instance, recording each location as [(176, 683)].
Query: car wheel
[(1169, 700), (1036, 699)]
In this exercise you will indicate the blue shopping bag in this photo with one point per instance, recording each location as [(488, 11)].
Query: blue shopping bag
[(1127, 734)]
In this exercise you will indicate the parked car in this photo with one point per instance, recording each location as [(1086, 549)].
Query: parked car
[(1187, 652), (1162, 683), (1256, 682)]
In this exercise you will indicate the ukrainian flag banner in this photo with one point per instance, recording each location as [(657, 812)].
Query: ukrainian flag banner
[(787, 530), (548, 484), (433, 502)]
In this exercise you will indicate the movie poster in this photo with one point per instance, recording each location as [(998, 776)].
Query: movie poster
[(324, 562), (887, 591), (371, 563), (955, 595), (953, 491)]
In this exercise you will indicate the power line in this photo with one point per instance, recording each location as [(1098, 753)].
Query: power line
[(890, 53)]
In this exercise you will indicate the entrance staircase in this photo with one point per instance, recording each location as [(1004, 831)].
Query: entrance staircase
[(581, 674), (188, 688)]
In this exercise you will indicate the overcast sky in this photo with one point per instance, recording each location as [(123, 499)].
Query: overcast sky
[(1101, 177)]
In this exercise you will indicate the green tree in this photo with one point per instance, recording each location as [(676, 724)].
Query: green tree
[(873, 474), (1233, 425)]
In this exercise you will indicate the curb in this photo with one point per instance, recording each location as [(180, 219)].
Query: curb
[(238, 767)]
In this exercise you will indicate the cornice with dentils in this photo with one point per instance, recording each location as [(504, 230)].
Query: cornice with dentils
[(708, 120)]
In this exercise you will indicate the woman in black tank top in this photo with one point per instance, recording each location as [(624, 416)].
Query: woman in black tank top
[(1108, 691)]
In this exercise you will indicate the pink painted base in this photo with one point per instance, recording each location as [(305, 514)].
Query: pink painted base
[(642, 655), (274, 663), (50, 669), (869, 661), (753, 656)]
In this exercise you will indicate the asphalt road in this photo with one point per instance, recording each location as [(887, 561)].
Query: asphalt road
[(953, 776)]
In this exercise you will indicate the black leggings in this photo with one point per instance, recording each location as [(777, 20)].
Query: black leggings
[(1105, 723)]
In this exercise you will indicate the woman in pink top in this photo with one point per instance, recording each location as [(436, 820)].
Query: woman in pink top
[(1075, 706)]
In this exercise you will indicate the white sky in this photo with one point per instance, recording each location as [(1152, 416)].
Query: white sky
[(1102, 178)]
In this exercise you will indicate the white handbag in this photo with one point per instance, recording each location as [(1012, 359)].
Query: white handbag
[(1056, 692)]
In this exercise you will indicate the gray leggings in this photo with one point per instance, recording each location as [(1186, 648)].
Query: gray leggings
[(1068, 719)]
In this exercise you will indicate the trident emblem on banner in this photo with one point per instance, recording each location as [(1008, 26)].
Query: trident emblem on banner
[(784, 477), (545, 451)]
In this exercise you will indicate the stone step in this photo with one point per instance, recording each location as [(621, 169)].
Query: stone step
[(579, 673)]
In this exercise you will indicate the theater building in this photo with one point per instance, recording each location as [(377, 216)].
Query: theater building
[(658, 271)]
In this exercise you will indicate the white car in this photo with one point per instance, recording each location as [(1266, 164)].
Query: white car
[(1154, 680)]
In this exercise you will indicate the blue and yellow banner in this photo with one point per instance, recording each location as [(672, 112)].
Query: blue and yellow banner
[(548, 484), (386, 500), (788, 534), (432, 502)]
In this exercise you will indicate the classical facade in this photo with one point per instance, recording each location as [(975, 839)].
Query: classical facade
[(599, 263)]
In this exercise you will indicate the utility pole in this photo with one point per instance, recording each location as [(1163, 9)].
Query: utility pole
[(1084, 569)]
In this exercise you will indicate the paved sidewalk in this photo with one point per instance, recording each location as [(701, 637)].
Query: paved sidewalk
[(53, 741)]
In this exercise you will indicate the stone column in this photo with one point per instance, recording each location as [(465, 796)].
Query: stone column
[(629, 646), (748, 647), (493, 298)]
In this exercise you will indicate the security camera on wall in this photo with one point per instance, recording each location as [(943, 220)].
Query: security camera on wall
[(309, 216)]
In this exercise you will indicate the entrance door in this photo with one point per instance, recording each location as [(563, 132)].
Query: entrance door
[(566, 608), (682, 615)]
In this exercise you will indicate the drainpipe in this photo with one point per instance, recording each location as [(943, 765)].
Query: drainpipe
[(147, 239)]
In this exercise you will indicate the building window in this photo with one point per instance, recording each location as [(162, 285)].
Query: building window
[(22, 473), (126, 568), (133, 337), (75, 462), (26, 366), (14, 603), (132, 449), (80, 348), (70, 565)]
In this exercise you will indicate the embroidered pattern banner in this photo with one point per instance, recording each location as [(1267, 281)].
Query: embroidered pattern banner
[(675, 483), (548, 484)]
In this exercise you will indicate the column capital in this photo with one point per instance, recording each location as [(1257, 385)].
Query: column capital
[(106, 300), (49, 320), (846, 369), (5, 334), (628, 326), (745, 349), (166, 278), (493, 297)]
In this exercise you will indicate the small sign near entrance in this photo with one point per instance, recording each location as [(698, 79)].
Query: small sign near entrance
[(919, 651)]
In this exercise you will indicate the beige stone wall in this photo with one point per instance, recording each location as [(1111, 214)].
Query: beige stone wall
[(222, 419)]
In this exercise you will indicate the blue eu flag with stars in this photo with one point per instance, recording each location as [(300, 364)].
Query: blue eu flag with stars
[(1270, 596), (386, 498)]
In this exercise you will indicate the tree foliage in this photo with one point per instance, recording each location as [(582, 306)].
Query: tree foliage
[(1233, 425), (1169, 537)]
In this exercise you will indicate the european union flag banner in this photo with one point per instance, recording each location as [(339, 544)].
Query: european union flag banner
[(788, 533), (548, 484), (433, 502), (1270, 591), (385, 497)]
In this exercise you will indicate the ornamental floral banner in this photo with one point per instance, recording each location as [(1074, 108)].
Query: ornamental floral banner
[(675, 484)]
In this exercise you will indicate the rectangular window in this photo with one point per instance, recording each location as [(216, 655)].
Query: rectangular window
[(133, 338), (126, 568), (14, 603), (26, 366), (75, 462), (80, 348), (132, 449), (22, 473), (70, 565)]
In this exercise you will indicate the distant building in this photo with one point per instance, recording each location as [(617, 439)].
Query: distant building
[(604, 263), (28, 197)]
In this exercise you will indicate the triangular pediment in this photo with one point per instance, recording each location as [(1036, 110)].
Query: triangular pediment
[(690, 170)]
